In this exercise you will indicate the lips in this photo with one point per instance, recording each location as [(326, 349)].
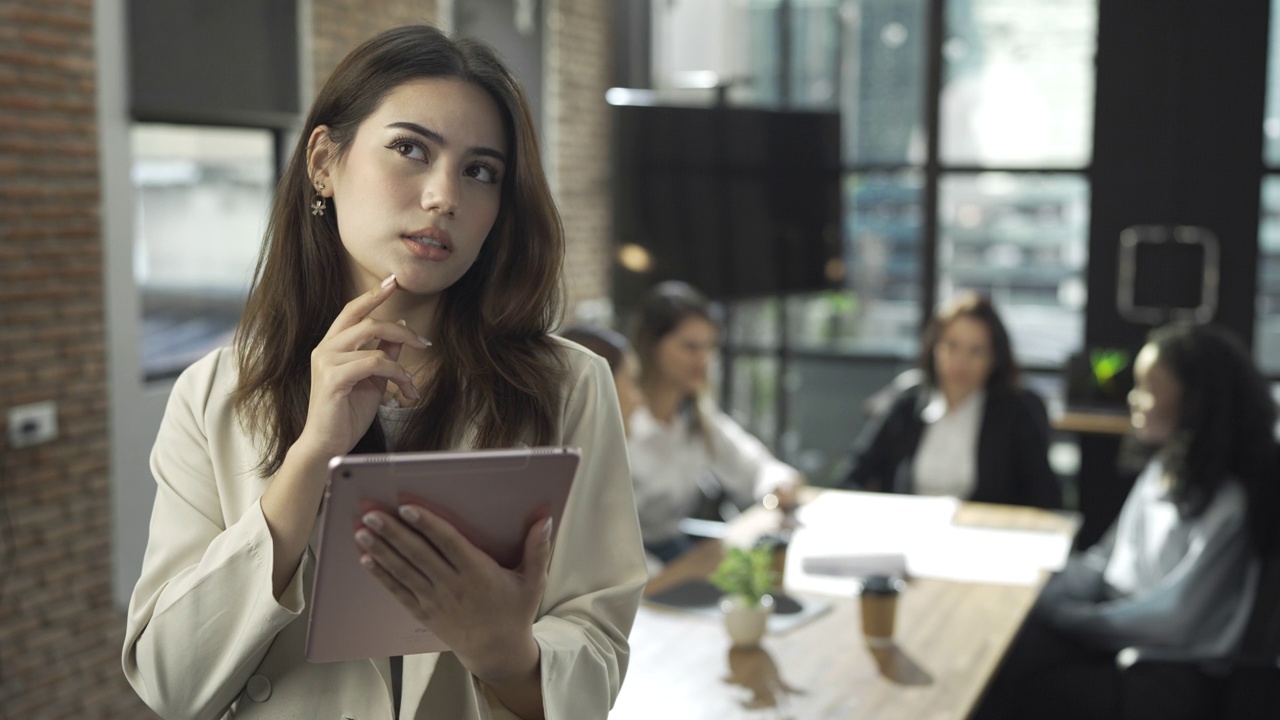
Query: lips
[(429, 243)]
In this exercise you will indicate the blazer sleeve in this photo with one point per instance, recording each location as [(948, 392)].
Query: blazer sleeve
[(882, 445), (597, 567), (202, 614), (1036, 483)]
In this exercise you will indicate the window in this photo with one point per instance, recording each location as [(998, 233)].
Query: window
[(202, 196), (1266, 335), (966, 153)]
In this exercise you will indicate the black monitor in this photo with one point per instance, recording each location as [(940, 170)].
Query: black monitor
[(738, 202)]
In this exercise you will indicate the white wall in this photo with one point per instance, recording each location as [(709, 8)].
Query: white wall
[(135, 408)]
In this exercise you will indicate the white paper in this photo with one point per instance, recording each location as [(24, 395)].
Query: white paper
[(985, 555), (841, 533)]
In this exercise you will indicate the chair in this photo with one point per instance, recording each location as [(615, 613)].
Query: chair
[(1243, 687)]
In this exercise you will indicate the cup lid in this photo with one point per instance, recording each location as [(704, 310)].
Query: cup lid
[(881, 585)]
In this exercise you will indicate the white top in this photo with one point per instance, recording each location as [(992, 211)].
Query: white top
[(1161, 581), (206, 639), (669, 462), (946, 461)]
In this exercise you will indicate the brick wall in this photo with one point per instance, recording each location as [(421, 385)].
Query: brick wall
[(60, 637), (578, 71), (340, 25)]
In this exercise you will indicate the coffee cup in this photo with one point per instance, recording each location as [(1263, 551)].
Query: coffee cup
[(878, 598)]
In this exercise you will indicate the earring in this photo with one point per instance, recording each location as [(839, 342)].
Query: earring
[(317, 205)]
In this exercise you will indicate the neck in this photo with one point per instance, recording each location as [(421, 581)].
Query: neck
[(664, 401), (956, 397)]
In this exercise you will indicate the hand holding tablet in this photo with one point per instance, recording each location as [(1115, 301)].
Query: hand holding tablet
[(425, 523)]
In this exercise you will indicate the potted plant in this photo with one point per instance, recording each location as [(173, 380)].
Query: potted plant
[(746, 577)]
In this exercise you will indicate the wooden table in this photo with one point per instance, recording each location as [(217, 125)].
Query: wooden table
[(1093, 422), (950, 639)]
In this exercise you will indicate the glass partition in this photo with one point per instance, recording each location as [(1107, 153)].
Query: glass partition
[(202, 196)]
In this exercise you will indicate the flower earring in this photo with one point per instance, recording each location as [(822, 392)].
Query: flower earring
[(317, 205)]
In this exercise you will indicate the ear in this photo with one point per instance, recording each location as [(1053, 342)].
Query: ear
[(321, 153)]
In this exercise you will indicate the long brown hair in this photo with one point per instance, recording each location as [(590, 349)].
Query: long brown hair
[(1004, 368), (664, 308), (498, 372)]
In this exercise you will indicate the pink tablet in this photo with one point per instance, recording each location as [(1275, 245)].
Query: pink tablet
[(493, 497)]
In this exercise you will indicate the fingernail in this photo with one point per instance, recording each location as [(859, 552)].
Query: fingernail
[(411, 391), (367, 561), (365, 538), (546, 529), (409, 513), (387, 283), (373, 521), (424, 341)]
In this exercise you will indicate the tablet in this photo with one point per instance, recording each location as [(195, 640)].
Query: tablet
[(492, 497)]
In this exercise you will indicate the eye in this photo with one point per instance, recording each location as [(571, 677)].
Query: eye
[(483, 172), (409, 148)]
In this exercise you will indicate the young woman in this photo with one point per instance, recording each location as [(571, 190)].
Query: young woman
[(968, 430), (1175, 573), (682, 447), (614, 348), (409, 276)]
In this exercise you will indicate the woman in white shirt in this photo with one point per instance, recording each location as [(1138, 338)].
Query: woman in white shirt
[(683, 448), (1176, 572)]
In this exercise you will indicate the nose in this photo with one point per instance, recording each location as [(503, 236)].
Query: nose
[(440, 192)]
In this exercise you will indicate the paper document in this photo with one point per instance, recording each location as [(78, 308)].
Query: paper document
[(844, 536)]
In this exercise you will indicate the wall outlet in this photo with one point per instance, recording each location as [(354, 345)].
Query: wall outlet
[(33, 424)]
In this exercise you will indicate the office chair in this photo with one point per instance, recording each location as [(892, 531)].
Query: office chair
[(1243, 687)]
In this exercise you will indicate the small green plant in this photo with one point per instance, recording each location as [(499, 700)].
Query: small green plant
[(746, 573)]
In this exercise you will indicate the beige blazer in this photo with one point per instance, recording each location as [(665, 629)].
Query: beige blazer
[(207, 639)]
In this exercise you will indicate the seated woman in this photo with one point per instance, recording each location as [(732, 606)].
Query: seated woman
[(614, 348), (968, 429), (1174, 572), (680, 442)]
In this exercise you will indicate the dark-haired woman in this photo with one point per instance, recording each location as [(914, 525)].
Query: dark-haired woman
[(614, 348), (683, 448), (1175, 573), (408, 281), (968, 430)]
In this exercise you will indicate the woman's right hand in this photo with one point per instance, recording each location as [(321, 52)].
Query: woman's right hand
[(350, 369)]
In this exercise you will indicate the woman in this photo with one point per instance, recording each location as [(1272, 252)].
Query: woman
[(408, 279), (1175, 572), (614, 348), (968, 430), (683, 448)]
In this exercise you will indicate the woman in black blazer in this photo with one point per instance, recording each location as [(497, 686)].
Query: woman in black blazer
[(969, 428)]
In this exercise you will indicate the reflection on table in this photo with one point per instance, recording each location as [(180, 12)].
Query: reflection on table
[(950, 638)]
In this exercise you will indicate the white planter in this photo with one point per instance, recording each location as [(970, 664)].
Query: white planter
[(745, 623)]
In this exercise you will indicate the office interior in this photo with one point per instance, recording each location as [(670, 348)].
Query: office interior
[(999, 145)]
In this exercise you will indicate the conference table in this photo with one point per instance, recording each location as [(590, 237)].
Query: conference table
[(950, 638)]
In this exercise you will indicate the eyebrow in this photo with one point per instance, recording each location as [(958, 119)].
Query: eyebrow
[(438, 139)]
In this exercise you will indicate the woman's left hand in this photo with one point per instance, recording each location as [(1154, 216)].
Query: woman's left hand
[(484, 611)]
